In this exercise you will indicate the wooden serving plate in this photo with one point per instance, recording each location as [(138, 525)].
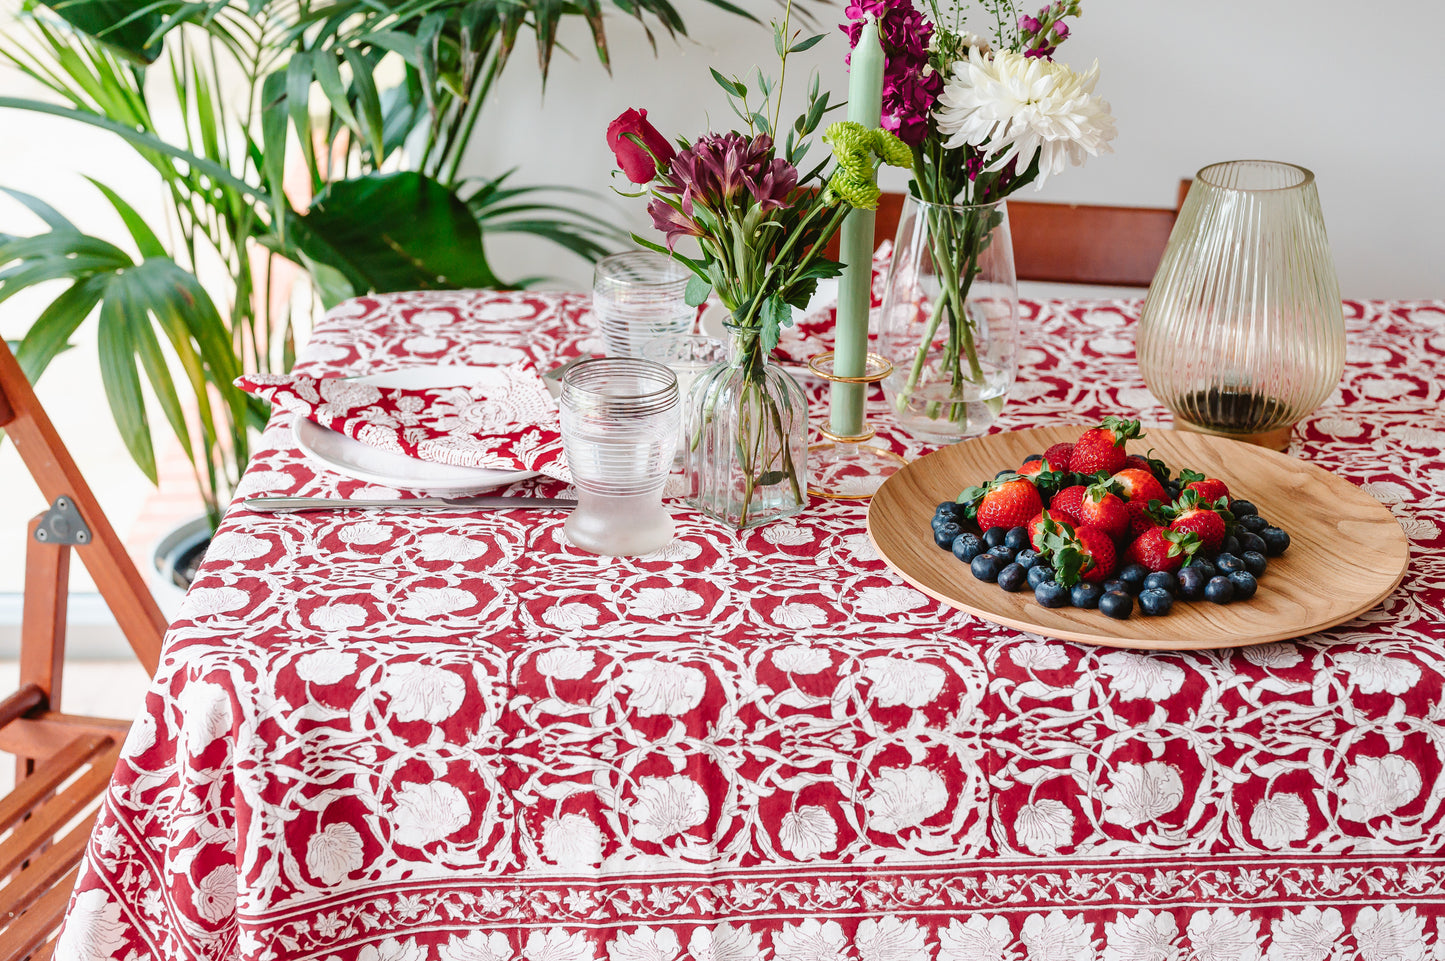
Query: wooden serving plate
[(1347, 552)]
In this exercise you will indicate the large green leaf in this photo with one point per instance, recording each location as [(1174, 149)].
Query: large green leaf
[(399, 231), (129, 27)]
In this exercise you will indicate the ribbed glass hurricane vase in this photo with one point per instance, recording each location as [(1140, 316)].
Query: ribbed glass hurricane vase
[(1242, 332)]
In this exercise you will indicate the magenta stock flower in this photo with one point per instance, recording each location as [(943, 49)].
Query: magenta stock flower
[(909, 86)]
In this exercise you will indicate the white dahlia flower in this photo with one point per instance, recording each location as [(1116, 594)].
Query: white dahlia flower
[(1015, 106)]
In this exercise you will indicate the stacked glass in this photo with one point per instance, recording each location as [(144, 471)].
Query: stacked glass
[(637, 297)]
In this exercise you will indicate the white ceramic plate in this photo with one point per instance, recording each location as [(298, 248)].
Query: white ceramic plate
[(336, 452)]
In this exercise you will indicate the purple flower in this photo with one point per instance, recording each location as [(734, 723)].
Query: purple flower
[(1061, 31), (673, 222), (908, 95), (1029, 24), (770, 185)]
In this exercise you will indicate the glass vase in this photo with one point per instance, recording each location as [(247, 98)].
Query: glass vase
[(746, 423), (1242, 333), (950, 319)]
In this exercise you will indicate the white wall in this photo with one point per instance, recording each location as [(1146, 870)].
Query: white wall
[(1357, 94)]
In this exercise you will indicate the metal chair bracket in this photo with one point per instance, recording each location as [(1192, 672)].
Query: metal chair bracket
[(62, 524)]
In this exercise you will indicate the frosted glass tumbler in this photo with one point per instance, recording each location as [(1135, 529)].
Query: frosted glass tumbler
[(619, 428), (637, 297)]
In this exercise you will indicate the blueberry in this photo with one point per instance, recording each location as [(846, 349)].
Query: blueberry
[(951, 508), (1017, 538), (1251, 542), (1242, 509), (1191, 582), (1244, 585), (1252, 523), (944, 534), (1276, 541), (1255, 562), (1219, 590), (1117, 584), (1229, 563), (1173, 490), (985, 567), (1161, 580), (1086, 594), (1133, 575), (1026, 558), (1033, 457), (940, 519), (1003, 552), (1005, 472), (1012, 578), (1116, 604), (1051, 593), (1230, 545), (994, 536), (1039, 573), (1155, 602), (1204, 564), (967, 546)]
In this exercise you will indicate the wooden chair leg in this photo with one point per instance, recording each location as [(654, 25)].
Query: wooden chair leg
[(42, 624)]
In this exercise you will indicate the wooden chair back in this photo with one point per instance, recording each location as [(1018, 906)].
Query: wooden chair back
[(1074, 243), (63, 761)]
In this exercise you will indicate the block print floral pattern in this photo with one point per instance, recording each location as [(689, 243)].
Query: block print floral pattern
[(407, 737)]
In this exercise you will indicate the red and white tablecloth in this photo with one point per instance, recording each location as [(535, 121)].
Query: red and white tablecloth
[(407, 736)]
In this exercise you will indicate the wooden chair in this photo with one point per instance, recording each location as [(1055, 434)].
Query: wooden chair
[(1074, 243), (63, 761)]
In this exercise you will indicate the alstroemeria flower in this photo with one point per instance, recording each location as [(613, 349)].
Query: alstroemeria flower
[(673, 222)]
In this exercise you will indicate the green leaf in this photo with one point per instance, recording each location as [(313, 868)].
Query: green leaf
[(697, 291), (732, 87), (50, 333), (145, 239), (41, 209), (122, 385), (328, 75), (128, 27), (776, 315), (398, 231), (299, 71), (368, 100), (807, 44)]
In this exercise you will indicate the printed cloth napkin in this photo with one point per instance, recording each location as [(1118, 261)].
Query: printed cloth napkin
[(505, 421)]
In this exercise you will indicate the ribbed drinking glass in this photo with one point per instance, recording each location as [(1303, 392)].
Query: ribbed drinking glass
[(1242, 333), (619, 429), (637, 297)]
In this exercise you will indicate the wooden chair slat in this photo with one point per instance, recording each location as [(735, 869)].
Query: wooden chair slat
[(23, 701), (34, 927), (48, 776), (48, 816), (44, 870)]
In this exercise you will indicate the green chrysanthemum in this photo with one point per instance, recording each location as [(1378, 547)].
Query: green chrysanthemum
[(856, 150)]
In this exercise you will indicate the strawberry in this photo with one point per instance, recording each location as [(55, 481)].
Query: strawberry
[(1010, 502), (1138, 485), (1046, 475), (1153, 465), (1086, 555), (1211, 489), (1189, 516), (1102, 448), (1042, 526), (1141, 518), (1065, 503), (1102, 508), (1059, 455), (1162, 550)]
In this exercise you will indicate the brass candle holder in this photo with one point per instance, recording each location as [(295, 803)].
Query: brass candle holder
[(847, 467)]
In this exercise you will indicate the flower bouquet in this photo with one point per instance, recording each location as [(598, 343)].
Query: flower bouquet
[(981, 119), (760, 222)]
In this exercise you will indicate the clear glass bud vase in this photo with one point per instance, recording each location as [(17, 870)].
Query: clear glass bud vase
[(950, 319), (746, 426), (1242, 333)]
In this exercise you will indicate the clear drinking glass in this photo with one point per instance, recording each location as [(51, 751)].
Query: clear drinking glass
[(949, 321), (1242, 333), (686, 355), (619, 428), (639, 296)]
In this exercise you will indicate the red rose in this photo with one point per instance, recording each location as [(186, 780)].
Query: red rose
[(634, 158)]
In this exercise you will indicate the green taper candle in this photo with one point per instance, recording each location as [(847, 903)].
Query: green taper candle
[(865, 106)]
